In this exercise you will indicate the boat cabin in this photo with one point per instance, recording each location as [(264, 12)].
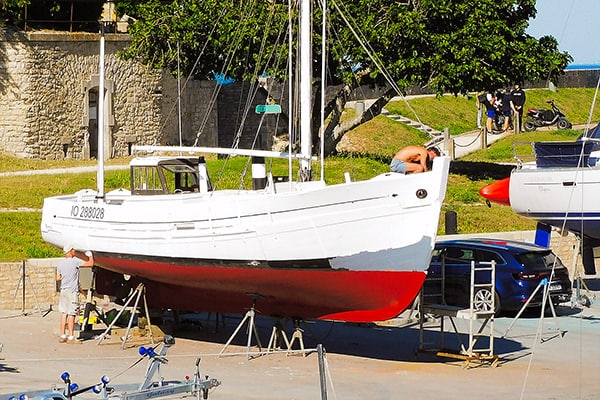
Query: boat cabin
[(169, 175)]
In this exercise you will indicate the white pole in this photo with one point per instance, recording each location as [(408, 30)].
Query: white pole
[(305, 86), (179, 97), (100, 172), (323, 85)]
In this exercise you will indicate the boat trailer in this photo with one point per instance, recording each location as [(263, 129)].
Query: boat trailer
[(149, 388)]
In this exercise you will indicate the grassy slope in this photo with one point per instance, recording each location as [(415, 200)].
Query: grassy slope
[(380, 138)]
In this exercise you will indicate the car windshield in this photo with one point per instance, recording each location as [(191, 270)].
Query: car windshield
[(538, 259)]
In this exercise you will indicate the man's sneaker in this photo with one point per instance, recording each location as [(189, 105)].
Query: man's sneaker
[(62, 339), (72, 340)]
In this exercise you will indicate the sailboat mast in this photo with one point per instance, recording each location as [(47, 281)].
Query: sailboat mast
[(100, 146), (305, 87)]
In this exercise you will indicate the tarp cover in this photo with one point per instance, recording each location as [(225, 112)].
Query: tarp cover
[(562, 154)]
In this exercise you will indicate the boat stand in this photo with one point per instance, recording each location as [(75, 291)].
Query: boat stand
[(579, 299), (137, 294), (546, 298), (250, 318), (278, 332), (86, 331)]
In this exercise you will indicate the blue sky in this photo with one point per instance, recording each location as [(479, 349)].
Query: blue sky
[(574, 23)]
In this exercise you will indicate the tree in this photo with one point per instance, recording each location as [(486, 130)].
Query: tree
[(81, 15), (448, 46)]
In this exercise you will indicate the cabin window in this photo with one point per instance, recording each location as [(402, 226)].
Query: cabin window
[(170, 176), (180, 178), (146, 180)]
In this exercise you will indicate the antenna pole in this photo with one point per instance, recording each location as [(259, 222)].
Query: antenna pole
[(305, 88), (100, 172)]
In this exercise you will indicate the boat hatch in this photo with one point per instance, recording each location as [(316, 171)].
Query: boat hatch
[(172, 175)]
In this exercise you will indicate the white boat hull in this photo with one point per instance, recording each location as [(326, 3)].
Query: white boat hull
[(566, 198), (384, 225)]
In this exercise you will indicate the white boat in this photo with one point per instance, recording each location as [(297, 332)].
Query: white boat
[(355, 251), (559, 189)]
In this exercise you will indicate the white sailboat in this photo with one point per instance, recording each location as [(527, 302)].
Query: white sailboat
[(559, 189), (356, 251)]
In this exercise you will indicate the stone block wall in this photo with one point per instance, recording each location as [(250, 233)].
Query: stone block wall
[(45, 82), (39, 290)]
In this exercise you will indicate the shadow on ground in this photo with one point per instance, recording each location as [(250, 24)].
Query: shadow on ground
[(481, 170), (363, 340)]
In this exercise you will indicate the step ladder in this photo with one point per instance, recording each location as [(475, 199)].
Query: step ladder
[(480, 318)]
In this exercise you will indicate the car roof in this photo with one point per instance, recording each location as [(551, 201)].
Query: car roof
[(498, 244)]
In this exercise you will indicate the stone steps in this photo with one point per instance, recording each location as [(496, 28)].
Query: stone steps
[(433, 133)]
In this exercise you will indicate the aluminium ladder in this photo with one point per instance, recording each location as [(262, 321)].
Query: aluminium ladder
[(480, 321)]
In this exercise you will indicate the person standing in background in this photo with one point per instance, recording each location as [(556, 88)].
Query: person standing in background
[(489, 101), (67, 273), (480, 100), (507, 111), (518, 100)]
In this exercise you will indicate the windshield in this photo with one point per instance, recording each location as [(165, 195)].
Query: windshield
[(538, 259)]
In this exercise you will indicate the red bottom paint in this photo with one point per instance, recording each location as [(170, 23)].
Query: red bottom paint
[(353, 296)]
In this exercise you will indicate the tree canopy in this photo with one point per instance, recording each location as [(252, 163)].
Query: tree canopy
[(446, 46)]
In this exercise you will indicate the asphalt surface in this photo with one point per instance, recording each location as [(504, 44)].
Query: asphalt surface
[(538, 358)]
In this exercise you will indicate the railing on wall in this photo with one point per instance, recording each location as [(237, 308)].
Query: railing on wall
[(72, 24)]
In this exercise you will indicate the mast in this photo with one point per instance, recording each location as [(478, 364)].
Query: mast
[(305, 88), (100, 172)]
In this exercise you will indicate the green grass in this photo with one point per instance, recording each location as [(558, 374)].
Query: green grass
[(459, 114), (374, 143)]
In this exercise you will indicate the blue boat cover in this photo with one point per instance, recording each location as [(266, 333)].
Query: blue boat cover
[(567, 154)]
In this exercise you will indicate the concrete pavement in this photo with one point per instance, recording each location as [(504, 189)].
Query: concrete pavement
[(547, 358)]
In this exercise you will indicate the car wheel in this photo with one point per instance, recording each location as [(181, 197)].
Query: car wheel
[(482, 300)]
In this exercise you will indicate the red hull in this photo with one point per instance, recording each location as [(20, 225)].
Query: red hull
[(353, 296)]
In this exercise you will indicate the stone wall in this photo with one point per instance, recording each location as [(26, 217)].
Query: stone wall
[(40, 286), (40, 290), (46, 98)]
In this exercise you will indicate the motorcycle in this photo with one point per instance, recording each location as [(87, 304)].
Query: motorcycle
[(537, 118)]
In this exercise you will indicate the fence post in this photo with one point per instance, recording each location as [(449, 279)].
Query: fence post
[(484, 142), (449, 144)]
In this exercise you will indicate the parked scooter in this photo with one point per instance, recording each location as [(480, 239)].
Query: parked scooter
[(537, 118)]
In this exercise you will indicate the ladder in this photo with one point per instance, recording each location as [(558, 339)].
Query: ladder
[(480, 317)]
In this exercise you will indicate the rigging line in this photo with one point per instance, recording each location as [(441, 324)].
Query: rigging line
[(189, 77), (255, 87), (323, 85), (329, 377), (365, 45), (593, 105), (564, 28), (580, 161), (376, 60), (250, 94), (234, 44), (218, 86)]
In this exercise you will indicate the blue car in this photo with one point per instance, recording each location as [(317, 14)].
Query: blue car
[(520, 267)]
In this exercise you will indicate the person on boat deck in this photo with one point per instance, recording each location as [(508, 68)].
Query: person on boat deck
[(67, 273), (413, 159)]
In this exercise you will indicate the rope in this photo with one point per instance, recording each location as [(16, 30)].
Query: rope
[(470, 143), (373, 55)]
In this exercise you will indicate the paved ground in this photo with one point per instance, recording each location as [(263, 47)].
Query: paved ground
[(549, 358)]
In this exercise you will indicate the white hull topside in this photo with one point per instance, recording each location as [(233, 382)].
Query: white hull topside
[(555, 190), (566, 198), (384, 223)]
